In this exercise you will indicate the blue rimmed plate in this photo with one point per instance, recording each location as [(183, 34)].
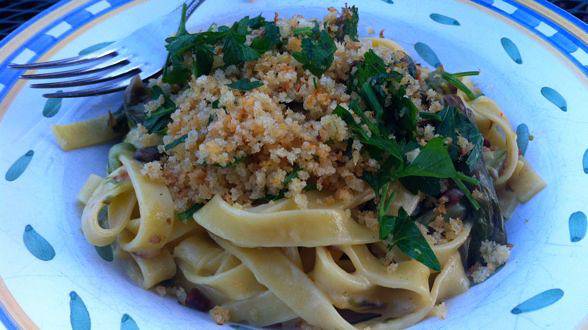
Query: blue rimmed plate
[(534, 62)]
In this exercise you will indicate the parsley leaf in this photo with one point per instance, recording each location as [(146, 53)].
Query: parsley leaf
[(245, 84), (453, 122), (291, 176), (381, 145), (236, 52), (175, 142), (434, 161), (157, 121), (453, 80), (372, 65), (405, 234), (187, 214), (203, 60), (317, 52), (256, 22), (347, 23), (270, 38), (302, 31)]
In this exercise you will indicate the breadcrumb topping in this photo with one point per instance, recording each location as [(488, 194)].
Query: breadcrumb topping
[(243, 144)]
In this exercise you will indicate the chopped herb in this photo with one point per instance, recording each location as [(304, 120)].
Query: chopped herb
[(175, 142), (157, 121), (256, 22), (453, 80), (434, 161), (203, 60), (453, 122), (211, 118), (466, 73), (291, 176), (187, 214), (317, 52), (347, 23), (310, 187), (270, 38), (236, 52), (371, 99), (404, 233), (371, 66), (215, 104), (381, 144), (315, 82), (430, 116), (302, 31), (245, 84)]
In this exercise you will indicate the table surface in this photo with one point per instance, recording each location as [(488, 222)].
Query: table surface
[(15, 12)]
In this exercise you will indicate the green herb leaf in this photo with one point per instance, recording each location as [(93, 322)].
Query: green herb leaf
[(203, 60), (432, 161), (317, 53), (453, 80), (371, 66), (270, 38), (175, 142), (409, 239), (215, 104), (188, 214), (236, 52), (430, 116), (466, 73), (157, 121), (347, 23), (453, 122), (302, 31), (245, 84), (256, 22), (291, 176)]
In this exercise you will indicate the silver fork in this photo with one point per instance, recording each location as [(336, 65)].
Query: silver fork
[(112, 68)]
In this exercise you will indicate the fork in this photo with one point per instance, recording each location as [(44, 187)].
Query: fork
[(111, 69)]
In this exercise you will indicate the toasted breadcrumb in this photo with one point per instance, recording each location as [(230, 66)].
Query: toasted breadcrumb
[(440, 311), (495, 255), (220, 315)]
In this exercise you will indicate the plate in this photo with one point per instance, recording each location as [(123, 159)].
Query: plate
[(533, 60)]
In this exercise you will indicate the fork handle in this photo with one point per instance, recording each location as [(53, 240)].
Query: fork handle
[(192, 6)]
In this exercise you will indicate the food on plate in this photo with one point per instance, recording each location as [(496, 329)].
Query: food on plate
[(287, 172)]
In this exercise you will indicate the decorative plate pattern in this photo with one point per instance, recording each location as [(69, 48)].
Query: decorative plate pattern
[(534, 62)]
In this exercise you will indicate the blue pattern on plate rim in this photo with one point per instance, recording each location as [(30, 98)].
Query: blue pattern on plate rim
[(52, 107), (512, 50), (523, 137), (577, 224), (561, 39), (538, 301), (19, 166), (37, 244), (442, 19), (40, 43), (79, 317), (555, 97), (427, 54), (127, 323)]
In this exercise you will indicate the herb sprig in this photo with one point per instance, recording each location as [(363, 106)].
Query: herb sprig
[(317, 52), (387, 136)]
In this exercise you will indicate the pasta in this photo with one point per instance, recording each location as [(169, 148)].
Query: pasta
[(360, 193)]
